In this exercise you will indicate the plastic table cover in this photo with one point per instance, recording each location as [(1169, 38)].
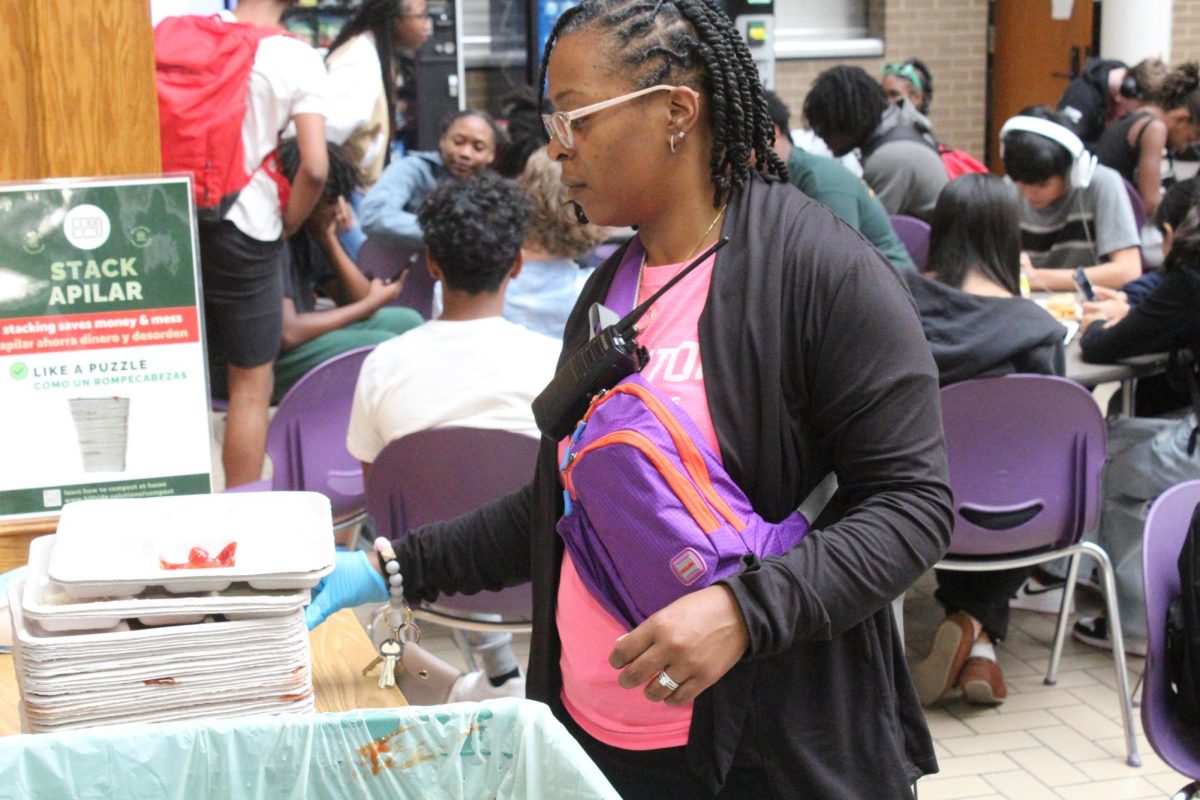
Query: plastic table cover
[(496, 749)]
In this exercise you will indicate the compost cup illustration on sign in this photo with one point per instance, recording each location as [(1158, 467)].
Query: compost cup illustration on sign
[(102, 426)]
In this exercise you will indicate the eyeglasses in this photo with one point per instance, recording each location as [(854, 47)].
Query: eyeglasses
[(558, 124), (906, 71)]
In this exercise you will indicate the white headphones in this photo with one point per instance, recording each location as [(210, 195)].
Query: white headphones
[(1084, 166)]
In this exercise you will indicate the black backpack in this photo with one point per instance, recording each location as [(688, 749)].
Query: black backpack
[(1183, 630)]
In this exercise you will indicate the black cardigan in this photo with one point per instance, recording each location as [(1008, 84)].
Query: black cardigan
[(814, 360)]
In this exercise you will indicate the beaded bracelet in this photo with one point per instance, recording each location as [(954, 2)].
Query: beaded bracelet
[(399, 617)]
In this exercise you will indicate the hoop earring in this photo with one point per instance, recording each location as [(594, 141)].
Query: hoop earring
[(671, 139)]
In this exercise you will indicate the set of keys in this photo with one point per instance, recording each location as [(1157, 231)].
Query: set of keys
[(391, 650), (401, 627)]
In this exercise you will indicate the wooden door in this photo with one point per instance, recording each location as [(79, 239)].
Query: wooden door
[(1033, 59)]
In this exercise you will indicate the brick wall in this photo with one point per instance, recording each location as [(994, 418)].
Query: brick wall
[(950, 36), (1185, 31)]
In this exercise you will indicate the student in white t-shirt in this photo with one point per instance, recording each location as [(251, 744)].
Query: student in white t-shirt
[(470, 367), (241, 257)]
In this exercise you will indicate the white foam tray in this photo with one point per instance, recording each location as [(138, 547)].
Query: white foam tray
[(46, 602), (113, 548), (303, 705), (231, 669)]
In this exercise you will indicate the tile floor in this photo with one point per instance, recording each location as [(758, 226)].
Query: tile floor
[(1062, 741), (1045, 742)]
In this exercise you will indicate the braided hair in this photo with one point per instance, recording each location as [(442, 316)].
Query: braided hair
[(342, 179), (845, 102), (378, 17), (690, 43)]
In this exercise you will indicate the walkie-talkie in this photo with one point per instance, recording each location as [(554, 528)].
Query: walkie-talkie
[(610, 356)]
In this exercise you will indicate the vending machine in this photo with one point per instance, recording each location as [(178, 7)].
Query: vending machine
[(755, 20), (440, 73), (542, 16)]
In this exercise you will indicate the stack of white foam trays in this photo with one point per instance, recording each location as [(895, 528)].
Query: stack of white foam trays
[(106, 630)]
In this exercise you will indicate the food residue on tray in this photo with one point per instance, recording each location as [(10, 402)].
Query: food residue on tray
[(198, 558)]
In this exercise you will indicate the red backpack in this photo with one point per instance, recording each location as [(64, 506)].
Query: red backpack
[(202, 69), (959, 162), (956, 162)]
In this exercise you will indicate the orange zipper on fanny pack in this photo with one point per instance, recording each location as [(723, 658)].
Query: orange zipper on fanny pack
[(687, 494), (692, 460)]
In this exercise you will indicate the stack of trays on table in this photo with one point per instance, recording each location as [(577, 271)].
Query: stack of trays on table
[(170, 608)]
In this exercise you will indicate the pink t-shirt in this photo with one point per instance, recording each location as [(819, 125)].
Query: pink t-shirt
[(624, 717)]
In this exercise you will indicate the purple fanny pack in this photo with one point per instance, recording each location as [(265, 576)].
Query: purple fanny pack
[(651, 513)]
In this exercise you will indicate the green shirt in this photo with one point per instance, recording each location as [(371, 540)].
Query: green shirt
[(834, 186)]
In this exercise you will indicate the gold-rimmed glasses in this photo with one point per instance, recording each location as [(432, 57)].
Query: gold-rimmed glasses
[(558, 124)]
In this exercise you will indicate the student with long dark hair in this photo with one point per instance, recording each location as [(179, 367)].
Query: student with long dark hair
[(364, 63), (796, 352), (977, 326)]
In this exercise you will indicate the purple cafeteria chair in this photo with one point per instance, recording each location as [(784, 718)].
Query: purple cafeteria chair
[(306, 440), (1025, 454), (915, 235), (442, 473), (1177, 742), (1139, 214), (379, 260)]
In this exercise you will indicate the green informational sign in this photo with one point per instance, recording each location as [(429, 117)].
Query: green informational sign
[(102, 370)]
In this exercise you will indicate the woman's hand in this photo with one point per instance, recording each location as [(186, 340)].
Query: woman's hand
[(1109, 307), (355, 580), (696, 639)]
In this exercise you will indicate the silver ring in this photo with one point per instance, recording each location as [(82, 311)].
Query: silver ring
[(665, 681)]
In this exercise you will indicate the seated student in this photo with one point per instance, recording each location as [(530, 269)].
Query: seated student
[(977, 326), (1146, 456), (362, 314), (832, 185), (551, 277), (1167, 118), (848, 109), (470, 367), (466, 147), (911, 80), (1074, 212)]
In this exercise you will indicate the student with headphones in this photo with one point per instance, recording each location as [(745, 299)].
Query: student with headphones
[(1074, 211)]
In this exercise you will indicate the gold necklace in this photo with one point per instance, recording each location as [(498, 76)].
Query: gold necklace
[(696, 249)]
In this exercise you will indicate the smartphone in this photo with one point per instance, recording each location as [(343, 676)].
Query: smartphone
[(1085, 286)]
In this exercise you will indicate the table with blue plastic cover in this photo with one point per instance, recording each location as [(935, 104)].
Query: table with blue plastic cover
[(499, 749)]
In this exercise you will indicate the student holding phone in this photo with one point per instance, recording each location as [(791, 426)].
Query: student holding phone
[(1146, 456)]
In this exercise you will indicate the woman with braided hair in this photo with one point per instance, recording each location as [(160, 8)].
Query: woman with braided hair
[(797, 353)]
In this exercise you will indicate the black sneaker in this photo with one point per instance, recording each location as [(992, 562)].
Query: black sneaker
[(1042, 594), (1093, 631)]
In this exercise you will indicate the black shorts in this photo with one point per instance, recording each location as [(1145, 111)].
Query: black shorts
[(243, 296)]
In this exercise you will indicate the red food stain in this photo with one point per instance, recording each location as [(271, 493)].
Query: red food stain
[(198, 558), (370, 752)]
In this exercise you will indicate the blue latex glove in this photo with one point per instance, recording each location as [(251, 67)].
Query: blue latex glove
[(353, 582)]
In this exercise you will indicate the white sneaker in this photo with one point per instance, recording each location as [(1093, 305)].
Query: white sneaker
[(1041, 598), (471, 687)]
